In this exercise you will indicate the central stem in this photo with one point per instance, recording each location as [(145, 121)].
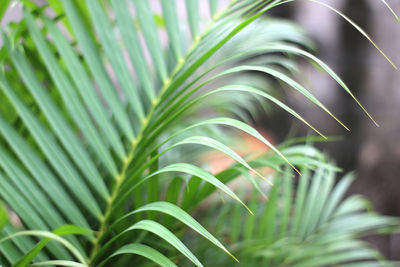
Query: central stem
[(134, 143), (120, 178)]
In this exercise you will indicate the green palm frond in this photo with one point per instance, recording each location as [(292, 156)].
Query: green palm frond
[(311, 224), (94, 102)]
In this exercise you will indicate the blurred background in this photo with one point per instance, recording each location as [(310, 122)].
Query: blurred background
[(373, 152)]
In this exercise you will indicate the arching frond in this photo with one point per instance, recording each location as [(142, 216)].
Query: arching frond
[(104, 106)]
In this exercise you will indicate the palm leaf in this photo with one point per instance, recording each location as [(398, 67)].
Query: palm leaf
[(85, 138), (299, 222)]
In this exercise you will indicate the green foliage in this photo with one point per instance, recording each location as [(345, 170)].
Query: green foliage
[(311, 224), (101, 127)]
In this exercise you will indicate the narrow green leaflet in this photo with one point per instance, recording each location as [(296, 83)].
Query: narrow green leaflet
[(30, 190), (213, 7), (310, 204), (179, 79), (192, 8), (86, 89), (210, 142), (287, 196), (253, 181), (249, 225), (299, 205), (55, 154), (294, 50), (19, 245), (59, 263), (236, 227), (360, 223), (336, 196), (61, 231), (58, 122), (165, 234), (69, 95), (343, 256), (171, 20), (181, 215), (268, 223), (304, 150), (3, 215), (200, 173), (391, 10), (358, 28), (286, 79), (325, 250), (246, 128), (323, 192), (93, 59), (10, 252), (245, 88), (149, 30), (173, 192), (144, 251), (3, 8), (132, 43), (114, 54), (19, 204), (43, 175), (51, 236)]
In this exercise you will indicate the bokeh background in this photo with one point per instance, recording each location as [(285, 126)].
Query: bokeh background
[(374, 153)]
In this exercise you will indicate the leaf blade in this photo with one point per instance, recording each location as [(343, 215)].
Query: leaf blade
[(167, 235), (144, 251)]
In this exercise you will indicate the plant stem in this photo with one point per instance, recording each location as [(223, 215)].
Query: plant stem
[(134, 143)]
